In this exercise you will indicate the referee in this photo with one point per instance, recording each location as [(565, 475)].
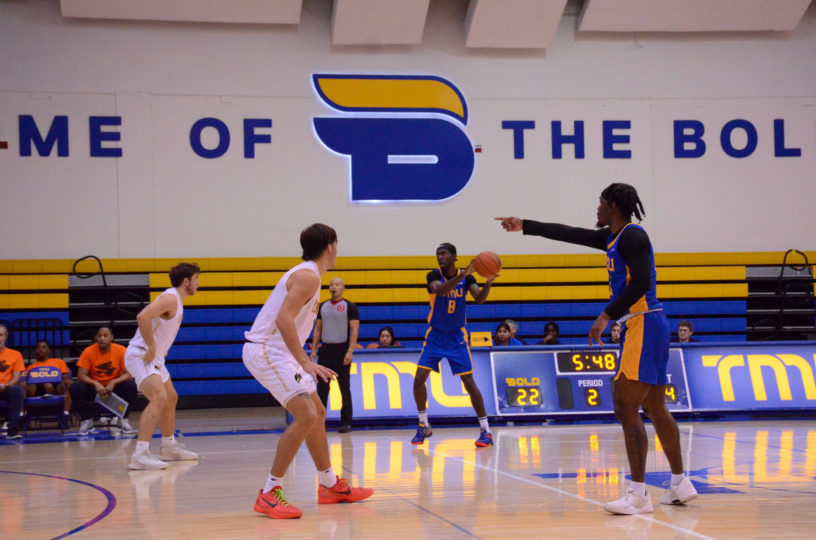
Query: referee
[(337, 325)]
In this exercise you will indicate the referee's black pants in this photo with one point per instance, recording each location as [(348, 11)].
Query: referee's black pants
[(331, 355)]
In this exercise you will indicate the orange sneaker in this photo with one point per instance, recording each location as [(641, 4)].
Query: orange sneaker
[(342, 492), (275, 505)]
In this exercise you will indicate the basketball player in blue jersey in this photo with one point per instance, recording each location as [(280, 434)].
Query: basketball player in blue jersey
[(641, 378), (447, 337)]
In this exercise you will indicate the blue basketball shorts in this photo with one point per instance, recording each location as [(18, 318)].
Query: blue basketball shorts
[(645, 348), (451, 345)]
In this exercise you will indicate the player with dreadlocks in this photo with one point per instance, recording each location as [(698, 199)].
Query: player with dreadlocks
[(644, 342)]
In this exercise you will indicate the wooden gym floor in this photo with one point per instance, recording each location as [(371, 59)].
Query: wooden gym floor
[(756, 479)]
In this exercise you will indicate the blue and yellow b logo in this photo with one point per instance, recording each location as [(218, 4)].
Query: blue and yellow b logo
[(410, 154)]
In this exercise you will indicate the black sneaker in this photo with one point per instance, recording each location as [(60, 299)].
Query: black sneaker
[(345, 428), (13, 434)]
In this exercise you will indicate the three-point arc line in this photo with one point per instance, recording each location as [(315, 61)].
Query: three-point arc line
[(108, 509)]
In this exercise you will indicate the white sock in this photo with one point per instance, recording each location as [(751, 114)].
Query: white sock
[(423, 418), (483, 424), (142, 446), (168, 441), (327, 478), (271, 482), (677, 478), (639, 487)]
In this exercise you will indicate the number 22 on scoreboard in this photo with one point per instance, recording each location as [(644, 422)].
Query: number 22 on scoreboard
[(524, 396), (529, 396)]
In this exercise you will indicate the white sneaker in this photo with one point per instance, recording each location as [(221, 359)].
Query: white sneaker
[(679, 494), (177, 452), (123, 425), (145, 461), (86, 427), (631, 503)]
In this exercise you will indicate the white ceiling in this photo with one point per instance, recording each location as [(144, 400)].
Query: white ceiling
[(690, 15), (226, 11), (526, 24)]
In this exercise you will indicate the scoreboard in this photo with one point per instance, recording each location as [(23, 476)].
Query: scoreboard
[(575, 381)]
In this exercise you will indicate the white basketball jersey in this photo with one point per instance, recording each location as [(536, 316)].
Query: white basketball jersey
[(164, 330), (265, 330)]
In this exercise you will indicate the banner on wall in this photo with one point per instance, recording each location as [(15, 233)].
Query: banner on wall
[(763, 377), (382, 386), (551, 381), (419, 141)]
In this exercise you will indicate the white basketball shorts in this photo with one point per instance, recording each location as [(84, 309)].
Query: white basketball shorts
[(278, 372), (136, 366)]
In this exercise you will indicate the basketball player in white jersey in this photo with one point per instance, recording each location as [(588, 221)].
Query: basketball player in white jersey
[(275, 356), (144, 359)]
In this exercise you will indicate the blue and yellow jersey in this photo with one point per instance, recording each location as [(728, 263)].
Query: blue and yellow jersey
[(619, 275), (448, 312)]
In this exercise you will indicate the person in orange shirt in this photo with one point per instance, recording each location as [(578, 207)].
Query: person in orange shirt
[(43, 352), (101, 370), (11, 368)]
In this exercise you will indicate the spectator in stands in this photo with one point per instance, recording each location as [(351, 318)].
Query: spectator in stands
[(685, 331), (504, 336), (514, 330), (385, 339), (337, 326), (550, 334), (614, 332), (43, 352), (11, 369), (101, 370)]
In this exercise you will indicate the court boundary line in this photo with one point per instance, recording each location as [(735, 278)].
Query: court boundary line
[(99, 517), (569, 494)]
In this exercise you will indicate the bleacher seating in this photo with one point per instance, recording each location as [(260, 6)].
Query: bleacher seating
[(708, 289)]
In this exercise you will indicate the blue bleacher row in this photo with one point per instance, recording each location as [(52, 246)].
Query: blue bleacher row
[(206, 358), (721, 319), (28, 327)]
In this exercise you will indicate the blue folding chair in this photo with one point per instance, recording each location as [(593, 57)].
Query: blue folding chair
[(45, 407)]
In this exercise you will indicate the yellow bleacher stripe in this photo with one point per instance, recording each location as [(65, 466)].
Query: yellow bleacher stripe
[(700, 273), (417, 262), (586, 293), (356, 278), (34, 301), (708, 290), (394, 277), (28, 282)]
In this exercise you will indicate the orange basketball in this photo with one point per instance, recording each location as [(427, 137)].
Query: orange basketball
[(488, 264)]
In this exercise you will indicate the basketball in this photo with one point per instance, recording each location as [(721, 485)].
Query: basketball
[(488, 264)]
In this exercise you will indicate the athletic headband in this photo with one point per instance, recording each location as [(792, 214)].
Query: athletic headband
[(447, 246)]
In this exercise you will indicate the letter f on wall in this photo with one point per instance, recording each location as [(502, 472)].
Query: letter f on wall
[(408, 155)]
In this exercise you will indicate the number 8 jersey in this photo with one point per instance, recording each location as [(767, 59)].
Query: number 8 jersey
[(448, 312)]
